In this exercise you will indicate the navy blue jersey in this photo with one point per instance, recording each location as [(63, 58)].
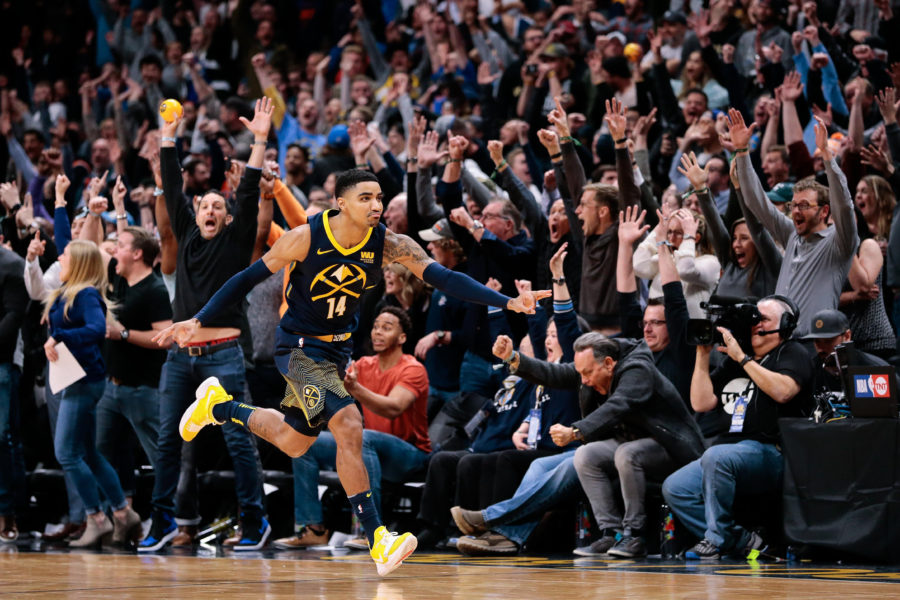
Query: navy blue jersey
[(324, 290)]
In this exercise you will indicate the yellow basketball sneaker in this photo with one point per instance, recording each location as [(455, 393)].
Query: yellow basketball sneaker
[(390, 549), (199, 414)]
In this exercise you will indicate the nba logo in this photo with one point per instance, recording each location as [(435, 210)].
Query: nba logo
[(872, 386), (880, 386), (862, 385)]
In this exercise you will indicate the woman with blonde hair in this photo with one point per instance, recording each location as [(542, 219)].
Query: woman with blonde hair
[(875, 201), (76, 312), (696, 75)]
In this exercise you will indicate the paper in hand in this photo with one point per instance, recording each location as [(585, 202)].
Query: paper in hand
[(65, 371)]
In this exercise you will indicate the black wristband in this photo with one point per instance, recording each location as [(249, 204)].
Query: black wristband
[(559, 281), (555, 156), (747, 358), (622, 141)]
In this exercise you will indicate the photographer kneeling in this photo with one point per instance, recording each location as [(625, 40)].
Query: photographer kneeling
[(751, 391)]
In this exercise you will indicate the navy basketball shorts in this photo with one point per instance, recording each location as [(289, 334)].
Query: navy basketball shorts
[(314, 372)]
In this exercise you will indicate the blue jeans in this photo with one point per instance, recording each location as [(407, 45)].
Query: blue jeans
[(12, 460), (478, 375), (121, 406), (76, 506), (181, 374), (702, 493), (76, 450), (548, 481), (385, 456)]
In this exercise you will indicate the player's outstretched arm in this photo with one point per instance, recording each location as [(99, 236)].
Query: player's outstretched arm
[(401, 249), (290, 247)]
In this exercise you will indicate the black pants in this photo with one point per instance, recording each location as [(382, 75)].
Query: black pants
[(472, 481)]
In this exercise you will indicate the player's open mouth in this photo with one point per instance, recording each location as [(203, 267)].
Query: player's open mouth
[(209, 224)]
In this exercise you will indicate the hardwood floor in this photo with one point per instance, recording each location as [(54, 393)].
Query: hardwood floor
[(422, 577)]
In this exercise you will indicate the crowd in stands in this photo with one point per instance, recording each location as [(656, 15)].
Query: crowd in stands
[(640, 158)]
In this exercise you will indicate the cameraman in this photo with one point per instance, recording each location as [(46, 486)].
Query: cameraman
[(829, 329), (751, 391)]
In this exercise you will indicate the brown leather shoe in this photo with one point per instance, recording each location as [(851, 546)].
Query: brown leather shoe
[(9, 533), (306, 538), (186, 536), (487, 544), (470, 522), (69, 530)]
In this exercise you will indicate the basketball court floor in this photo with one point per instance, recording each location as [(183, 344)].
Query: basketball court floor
[(28, 571)]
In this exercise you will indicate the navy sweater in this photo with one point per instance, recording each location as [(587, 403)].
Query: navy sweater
[(83, 331)]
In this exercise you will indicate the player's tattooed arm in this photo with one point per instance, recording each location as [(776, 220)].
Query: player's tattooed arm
[(402, 249)]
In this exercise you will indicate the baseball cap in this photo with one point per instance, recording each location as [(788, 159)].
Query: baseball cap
[(828, 323), (674, 16), (617, 35), (339, 137), (781, 193), (438, 231), (555, 50)]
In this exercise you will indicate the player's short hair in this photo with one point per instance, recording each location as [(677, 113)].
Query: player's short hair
[(350, 179), (405, 322)]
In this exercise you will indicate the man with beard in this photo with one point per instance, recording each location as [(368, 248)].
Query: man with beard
[(817, 255), (595, 220), (196, 177), (777, 166), (766, 32), (296, 172)]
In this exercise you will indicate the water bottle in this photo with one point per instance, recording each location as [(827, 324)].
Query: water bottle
[(667, 544), (583, 525)]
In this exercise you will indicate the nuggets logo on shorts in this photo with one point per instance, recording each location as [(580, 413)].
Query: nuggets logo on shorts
[(311, 395)]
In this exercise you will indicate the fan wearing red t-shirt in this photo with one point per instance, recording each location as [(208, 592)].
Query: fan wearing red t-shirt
[(392, 388)]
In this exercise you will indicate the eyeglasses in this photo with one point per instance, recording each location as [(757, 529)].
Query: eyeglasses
[(485, 216), (675, 234), (652, 322), (801, 206)]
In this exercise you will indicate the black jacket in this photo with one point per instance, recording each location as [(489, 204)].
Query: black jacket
[(640, 400)]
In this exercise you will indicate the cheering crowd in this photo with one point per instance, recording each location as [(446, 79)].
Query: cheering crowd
[(640, 159)]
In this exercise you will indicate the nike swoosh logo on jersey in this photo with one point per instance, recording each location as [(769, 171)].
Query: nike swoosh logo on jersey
[(320, 251)]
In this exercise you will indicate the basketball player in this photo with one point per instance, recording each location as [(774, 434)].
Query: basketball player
[(332, 261)]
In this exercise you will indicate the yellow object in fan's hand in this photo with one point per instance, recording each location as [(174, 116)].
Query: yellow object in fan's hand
[(170, 109)]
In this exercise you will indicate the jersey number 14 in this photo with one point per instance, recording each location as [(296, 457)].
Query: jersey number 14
[(336, 306)]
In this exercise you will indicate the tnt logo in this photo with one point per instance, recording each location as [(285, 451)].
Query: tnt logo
[(367, 257), (872, 386)]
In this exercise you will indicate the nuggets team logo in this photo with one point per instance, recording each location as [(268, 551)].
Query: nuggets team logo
[(311, 395), (345, 278)]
